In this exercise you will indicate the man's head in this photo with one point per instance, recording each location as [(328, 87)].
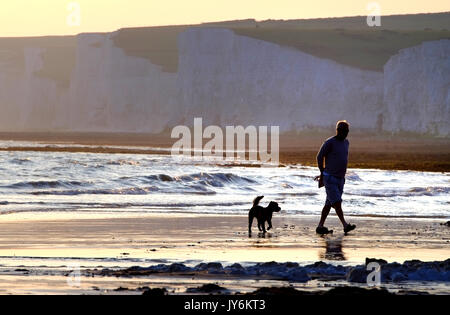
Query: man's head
[(342, 128)]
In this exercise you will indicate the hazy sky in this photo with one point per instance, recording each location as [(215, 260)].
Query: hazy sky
[(58, 17)]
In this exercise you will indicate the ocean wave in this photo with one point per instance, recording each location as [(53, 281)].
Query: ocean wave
[(159, 177), (298, 194), (429, 190), (193, 189), (414, 191), (352, 176), (303, 176), (124, 162), (20, 160), (117, 191), (211, 177), (44, 184), (202, 178)]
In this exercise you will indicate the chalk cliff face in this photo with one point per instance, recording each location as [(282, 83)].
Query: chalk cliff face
[(111, 91), (28, 101), (227, 79), (44, 102), (417, 89), (231, 79), (12, 84)]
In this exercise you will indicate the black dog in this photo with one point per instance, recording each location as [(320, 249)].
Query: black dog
[(262, 214)]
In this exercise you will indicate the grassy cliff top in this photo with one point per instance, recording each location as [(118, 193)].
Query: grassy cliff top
[(157, 44), (364, 49), (345, 40)]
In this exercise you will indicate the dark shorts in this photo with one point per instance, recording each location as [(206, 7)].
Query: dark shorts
[(334, 186)]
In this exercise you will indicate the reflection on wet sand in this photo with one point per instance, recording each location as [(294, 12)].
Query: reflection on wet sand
[(333, 249)]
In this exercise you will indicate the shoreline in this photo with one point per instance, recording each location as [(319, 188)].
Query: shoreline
[(366, 151)]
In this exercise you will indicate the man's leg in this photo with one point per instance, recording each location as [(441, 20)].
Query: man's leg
[(338, 204), (338, 207), (326, 208), (325, 211), (347, 227)]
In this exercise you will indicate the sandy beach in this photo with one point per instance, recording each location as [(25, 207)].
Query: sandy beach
[(38, 250)]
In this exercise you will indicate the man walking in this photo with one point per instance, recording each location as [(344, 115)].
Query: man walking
[(335, 152)]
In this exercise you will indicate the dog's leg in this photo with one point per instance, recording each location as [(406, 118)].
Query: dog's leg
[(264, 226), (270, 224), (250, 222)]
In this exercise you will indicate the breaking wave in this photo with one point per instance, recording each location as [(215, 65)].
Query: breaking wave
[(44, 184)]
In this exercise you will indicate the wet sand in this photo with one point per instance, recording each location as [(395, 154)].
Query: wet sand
[(35, 248)]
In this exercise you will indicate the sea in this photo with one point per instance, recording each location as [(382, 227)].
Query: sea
[(34, 181)]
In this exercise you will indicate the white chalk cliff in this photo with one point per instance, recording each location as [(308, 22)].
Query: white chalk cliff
[(228, 79), (417, 89), (111, 91)]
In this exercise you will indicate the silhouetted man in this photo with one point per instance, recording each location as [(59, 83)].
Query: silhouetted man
[(335, 152)]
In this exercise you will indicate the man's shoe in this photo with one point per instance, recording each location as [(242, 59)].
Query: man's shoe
[(349, 227)]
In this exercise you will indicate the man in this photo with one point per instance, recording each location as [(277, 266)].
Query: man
[(335, 152)]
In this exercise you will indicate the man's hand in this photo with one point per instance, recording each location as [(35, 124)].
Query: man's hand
[(320, 180)]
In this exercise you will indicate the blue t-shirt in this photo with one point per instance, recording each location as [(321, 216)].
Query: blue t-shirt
[(335, 152)]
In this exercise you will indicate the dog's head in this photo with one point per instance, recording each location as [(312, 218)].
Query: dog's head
[(273, 206)]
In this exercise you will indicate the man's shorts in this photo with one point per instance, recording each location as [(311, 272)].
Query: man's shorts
[(334, 186)]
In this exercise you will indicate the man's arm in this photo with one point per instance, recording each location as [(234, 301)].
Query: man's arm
[(322, 155)]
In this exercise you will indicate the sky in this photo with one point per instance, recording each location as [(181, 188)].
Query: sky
[(63, 17)]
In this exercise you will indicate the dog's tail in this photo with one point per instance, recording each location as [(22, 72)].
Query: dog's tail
[(256, 200)]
